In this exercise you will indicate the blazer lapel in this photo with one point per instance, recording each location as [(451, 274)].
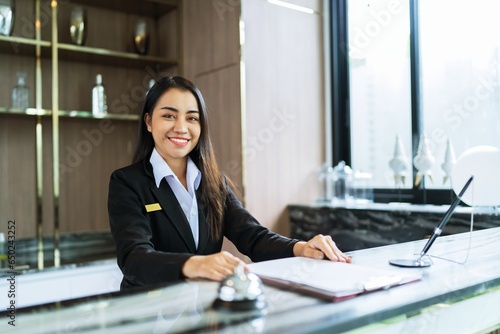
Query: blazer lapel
[(172, 208)]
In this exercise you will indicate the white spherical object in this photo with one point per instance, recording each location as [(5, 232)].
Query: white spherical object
[(482, 162)]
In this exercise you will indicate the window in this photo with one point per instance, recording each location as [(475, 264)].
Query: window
[(459, 66), (379, 76), (408, 68)]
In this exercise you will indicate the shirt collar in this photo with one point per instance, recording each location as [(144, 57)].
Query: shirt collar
[(161, 170)]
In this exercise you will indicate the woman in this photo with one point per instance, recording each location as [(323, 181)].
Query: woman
[(171, 208)]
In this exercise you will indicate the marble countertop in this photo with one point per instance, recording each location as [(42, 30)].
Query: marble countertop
[(401, 206), (448, 291)]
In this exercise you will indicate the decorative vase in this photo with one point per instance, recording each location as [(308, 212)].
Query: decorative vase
[(141, 37), (77, 26), (424, 160), (399, 163), (6, 17)]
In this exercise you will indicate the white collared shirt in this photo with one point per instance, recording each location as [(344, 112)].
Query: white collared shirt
[(186, 198)]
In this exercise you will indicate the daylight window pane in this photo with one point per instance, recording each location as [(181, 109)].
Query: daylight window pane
[(460, 64), (379, 75)]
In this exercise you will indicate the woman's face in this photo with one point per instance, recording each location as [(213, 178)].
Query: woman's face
[(175, 125)]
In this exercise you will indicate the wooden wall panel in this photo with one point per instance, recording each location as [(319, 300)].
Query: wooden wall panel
[(210, 35), (211, 61), (17, 174), (90, 151), (284, 109)]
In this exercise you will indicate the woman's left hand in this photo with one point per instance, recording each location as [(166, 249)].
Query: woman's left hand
[(319, 247)]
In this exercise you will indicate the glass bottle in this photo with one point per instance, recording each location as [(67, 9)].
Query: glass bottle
[(342, 183), (20, 93), (99, 106), (325, 178)]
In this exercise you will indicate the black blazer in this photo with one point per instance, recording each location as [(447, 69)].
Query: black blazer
[(153, 244)]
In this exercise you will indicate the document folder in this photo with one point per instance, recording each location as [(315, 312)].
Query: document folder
[(332, 281)]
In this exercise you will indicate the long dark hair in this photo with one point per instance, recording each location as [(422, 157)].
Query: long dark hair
[(213, 189)]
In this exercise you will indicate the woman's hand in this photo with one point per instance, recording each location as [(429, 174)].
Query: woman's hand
[(319, 247), (214, 267)]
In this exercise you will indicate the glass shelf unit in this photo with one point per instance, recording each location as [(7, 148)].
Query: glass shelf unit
[(66, 113), (110, 57), (20, 45), (26, 46)]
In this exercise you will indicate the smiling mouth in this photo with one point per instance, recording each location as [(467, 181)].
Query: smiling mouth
[(180, 141)]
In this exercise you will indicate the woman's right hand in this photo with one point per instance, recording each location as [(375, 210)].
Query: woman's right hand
[(214, 267)]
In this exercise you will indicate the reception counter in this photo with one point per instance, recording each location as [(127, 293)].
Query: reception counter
[(452, 297)]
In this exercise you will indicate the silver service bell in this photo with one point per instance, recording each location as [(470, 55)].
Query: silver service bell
[(241, 292)]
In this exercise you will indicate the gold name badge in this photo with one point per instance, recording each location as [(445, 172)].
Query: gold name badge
[(153, 207)]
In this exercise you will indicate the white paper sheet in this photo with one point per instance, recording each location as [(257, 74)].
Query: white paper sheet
[(332, 280)]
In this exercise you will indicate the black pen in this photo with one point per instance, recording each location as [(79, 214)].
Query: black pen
[(444, 221)]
